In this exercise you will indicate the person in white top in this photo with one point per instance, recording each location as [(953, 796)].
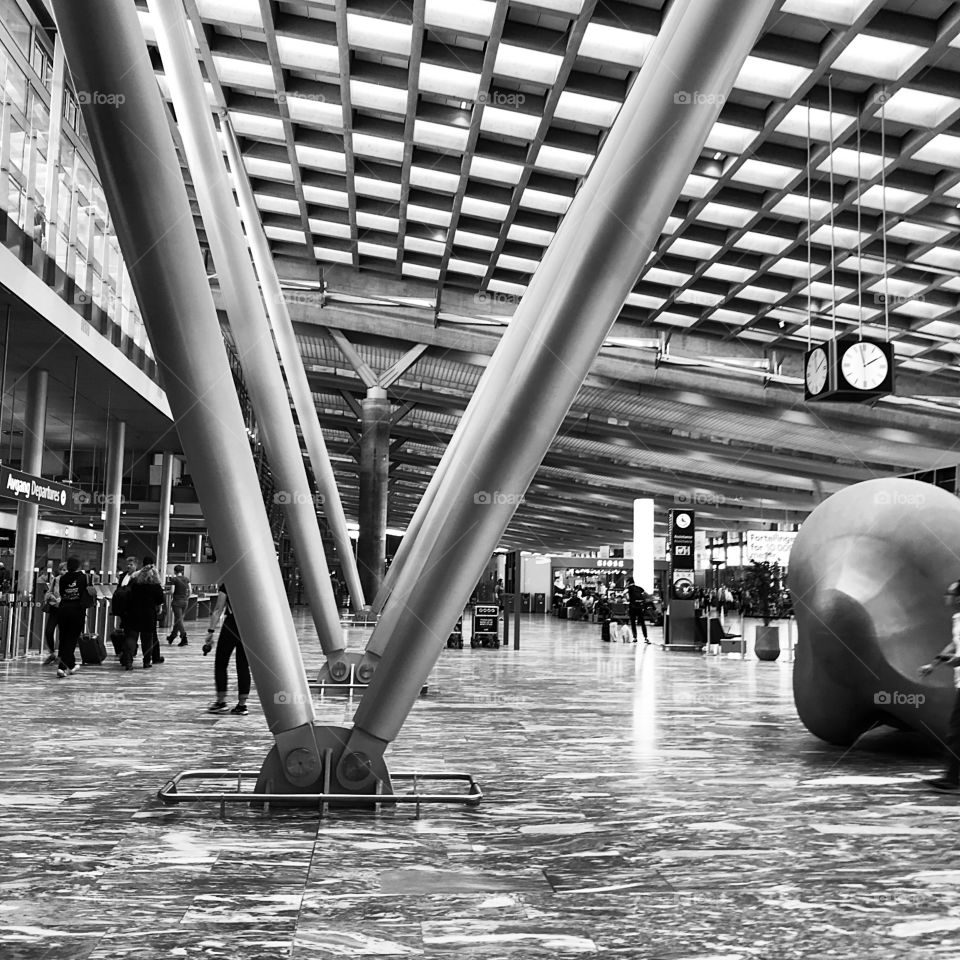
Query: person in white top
[(949, 656)]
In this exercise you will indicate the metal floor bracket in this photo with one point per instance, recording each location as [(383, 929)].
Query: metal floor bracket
[(172, 793)]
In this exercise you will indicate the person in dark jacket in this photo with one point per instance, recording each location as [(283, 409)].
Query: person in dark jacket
[(71, 615), (637, 603), (140, 616), (179, 600), (228, 643)]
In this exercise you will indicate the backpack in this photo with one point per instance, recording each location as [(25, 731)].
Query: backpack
[(120, 601)]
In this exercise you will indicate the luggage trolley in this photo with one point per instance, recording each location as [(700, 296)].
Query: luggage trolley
[(486, 626)]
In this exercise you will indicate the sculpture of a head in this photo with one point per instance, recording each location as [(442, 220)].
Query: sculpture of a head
[(867, 574)]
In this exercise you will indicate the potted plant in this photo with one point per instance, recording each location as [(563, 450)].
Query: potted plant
[(763, 588)]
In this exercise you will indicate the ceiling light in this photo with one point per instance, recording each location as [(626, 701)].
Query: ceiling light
[(694, 249), (502, 286), (726, 215), (563, 160), (421, 271), (731, 316), (326, 228), (464, 16), (329, 255), (893, 198), (376, 250), (476, 241), (448, 82), (918, 108), (300, 54), (525, 63), (519, 264), (877, 57), (256, 126), (762, 242), (380, 148), (674, 319), (839, 237), (487, 209), (318, 159), (942, 151), (374, 221), (441, 135), (615, 45), (547, 202), (771, 77), (374, 187), (430, 178), (423, 245), (268, 169), (794, 205), (509, 123), (374, 33), (486, 168), (424, 214), (579, 108), (277, 204), (765, 174), (285, 234), (317, 112), (325, 197), (699, 297), (468, 267), (244, 73), (944, 257), (795, 123), (671, 278), (844, 12), (379, 97), (643, 300), (728, 272), (522, 234), (847, 163), (697, 186), (760, 294), (918, 233), (246, 13), (727, 138)]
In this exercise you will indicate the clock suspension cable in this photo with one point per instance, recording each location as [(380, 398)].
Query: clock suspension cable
[(883, 213), (859, 239), (833, 255), (809, 231)]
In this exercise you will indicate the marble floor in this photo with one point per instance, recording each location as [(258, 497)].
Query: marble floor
[(639, 804)]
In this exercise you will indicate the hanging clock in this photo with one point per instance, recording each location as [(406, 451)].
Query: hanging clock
[(855, 370), (816, 369), (865, 366)]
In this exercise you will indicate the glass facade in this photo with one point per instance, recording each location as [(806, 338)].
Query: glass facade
[(56, 216)]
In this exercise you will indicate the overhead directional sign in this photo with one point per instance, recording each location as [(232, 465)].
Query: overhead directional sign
[(16, 485)]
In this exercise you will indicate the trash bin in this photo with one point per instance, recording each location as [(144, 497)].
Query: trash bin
[(524, 602), (539, 603)]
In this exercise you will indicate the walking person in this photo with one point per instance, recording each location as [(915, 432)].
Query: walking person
[(72, 590), (949, 656), (637, 602), (48, 608), (178, 604), (228, 643), (140, 616)]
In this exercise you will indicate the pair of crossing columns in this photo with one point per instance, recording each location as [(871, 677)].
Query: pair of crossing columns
[(573, 300)]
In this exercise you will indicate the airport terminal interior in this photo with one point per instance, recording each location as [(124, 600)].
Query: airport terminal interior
[(479, 478)]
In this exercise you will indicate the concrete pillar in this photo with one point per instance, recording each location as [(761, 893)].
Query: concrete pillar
[(112, 497), (163, 528), (34, 425), (374, 469)]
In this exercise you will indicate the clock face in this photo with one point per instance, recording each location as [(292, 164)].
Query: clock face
[(816, 370), (683, 520), (864, 365)]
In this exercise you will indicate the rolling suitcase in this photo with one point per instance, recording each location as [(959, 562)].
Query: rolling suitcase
[(93, 650)]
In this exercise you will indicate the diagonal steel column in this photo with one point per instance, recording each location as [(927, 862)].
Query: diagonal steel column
[(595, 258), (293, 367), (141, 178), (251, 330)]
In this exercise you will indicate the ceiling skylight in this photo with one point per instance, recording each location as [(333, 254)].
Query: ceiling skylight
[(877, 57), (524, 63), (626, 47), (376, 33)]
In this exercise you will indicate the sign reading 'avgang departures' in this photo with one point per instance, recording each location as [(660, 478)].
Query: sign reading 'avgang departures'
[(30, 489)]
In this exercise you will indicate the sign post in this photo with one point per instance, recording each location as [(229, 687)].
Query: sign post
[(679, 628), (486, 625)]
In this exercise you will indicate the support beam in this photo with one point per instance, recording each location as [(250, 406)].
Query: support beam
[(163, 519), (248, 322), (389, 377), (374, 477), (293, 367), (141, 178), (363, 369), (596, 256), (34, 428), (112, 489)]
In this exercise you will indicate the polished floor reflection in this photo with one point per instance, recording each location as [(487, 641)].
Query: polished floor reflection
[(639, 804)]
